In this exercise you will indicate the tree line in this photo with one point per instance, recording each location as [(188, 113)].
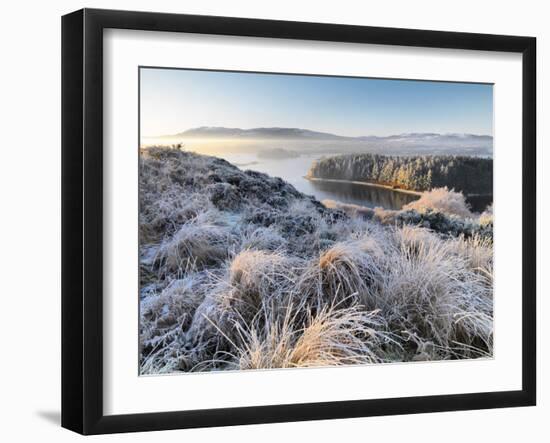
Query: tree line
[(469, 175)]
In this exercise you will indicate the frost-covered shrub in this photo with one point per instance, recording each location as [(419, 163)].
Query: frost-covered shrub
[(194, 245), (255, 277), (348, 271), (331, 337), (261, 238), (163, 319), (224, 196), (433, 295), (441, 200)]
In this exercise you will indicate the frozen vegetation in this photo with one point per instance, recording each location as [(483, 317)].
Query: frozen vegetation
[(470, 175), (238, 270)]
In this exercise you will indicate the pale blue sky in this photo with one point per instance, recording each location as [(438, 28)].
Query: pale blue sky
[(174, 100)]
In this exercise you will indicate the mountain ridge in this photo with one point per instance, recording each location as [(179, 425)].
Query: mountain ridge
[(307, 134)]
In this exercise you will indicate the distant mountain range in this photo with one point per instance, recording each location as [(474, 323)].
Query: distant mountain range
[(257, 133), (306, 134), (400, 144)]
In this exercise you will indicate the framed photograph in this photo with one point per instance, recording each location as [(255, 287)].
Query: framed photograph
[(268, 221)]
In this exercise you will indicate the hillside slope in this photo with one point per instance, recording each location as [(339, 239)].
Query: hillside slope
[(238, 270)]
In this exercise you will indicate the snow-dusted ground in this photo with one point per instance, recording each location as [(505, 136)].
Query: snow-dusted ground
[(240, 270)]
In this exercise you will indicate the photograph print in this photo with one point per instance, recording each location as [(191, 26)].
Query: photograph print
[(298, 221)]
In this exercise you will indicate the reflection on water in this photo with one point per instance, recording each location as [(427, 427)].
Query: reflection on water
[(373, 196), (293, 170), (363, 195)]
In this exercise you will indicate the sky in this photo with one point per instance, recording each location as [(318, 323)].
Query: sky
[(174, 100)]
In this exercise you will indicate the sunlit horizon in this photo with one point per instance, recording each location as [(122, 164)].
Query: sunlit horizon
[(179, 134)]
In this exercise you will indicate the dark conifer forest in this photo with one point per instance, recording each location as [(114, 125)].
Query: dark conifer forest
[(469, 175)]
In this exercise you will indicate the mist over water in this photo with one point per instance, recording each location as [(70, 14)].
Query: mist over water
[(293, 171), (292, 159)]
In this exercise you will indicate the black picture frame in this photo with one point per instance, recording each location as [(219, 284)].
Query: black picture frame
[(82, 217)]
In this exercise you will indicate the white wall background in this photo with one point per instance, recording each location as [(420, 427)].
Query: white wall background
[(30, 218)]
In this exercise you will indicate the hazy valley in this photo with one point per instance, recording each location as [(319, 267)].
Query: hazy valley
[(210, 140)]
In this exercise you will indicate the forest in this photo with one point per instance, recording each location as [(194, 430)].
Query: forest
[(469, 175)]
